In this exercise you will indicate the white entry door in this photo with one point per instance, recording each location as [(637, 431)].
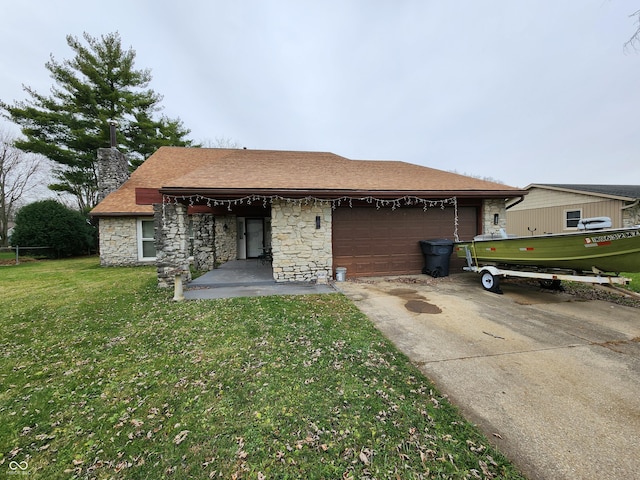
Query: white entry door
[(254, 237)]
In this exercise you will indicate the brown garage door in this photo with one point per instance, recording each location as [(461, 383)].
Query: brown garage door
[(370, 242)]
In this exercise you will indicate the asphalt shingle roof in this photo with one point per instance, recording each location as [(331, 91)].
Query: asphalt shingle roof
[(228, 169), (630, 191)]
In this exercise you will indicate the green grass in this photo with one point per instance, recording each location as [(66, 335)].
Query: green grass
[(635, 281), (7, 256), (103, 376)]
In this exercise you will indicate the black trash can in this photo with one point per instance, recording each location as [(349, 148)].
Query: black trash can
[(437, 254)]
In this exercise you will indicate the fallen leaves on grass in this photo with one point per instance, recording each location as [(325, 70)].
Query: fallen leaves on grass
[(179, 438), (267, 387)]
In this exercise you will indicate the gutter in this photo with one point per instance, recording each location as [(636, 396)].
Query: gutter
[(121, 214), (329, 194)]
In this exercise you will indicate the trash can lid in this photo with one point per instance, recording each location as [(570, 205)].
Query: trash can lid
[(438, 241)]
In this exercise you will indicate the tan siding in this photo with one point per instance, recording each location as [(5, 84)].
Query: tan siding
[(541, 198), (551, 219)]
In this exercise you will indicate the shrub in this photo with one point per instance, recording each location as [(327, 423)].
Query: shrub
[(48, 223)]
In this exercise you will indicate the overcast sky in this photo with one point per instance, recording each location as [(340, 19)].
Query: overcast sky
[(521, 92)]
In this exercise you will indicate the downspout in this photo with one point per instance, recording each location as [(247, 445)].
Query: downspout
[(519, 201)]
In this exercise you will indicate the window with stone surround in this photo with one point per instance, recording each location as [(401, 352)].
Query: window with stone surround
[(147, 241)]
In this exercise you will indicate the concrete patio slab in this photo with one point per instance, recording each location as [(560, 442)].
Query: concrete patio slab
[(247, 278)]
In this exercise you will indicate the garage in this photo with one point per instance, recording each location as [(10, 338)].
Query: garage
[(369, 241)]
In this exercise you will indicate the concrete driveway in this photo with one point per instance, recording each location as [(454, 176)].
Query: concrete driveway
[(553, 381)]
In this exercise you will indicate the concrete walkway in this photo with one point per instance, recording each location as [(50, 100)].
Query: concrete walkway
[(246, 278)]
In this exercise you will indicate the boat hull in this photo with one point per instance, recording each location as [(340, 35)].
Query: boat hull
[(615, 250)]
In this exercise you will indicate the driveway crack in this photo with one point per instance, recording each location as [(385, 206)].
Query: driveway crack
[(502, 354)]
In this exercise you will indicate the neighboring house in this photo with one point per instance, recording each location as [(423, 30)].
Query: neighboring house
[(312, 211), (557, 208)]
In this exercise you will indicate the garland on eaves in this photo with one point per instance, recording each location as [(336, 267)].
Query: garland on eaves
[(407, 201)]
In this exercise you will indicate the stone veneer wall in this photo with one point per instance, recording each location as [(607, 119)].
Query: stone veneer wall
[(204, 255), (301, 253), (172, 242), (490, 207), (226, 246), (631, 216), (118, 241)]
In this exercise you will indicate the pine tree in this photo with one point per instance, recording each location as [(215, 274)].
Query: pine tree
[(98, 86)]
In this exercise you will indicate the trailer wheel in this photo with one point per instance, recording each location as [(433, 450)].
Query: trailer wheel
[(551, 284), (490, 282)]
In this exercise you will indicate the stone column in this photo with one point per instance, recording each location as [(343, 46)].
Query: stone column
[(301, 241), (491, 207), (204, 255), (226, 231), (172, 242)]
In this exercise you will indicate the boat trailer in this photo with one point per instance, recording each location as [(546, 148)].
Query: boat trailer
[(490, 275)]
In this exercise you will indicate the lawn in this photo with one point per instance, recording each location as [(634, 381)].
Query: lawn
[(635, 281), (103, 376), (7, 255)]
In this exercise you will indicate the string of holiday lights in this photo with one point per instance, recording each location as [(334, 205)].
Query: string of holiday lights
[(406, 201)]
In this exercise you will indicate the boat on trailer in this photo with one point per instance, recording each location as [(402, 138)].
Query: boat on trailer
[(592, 254)]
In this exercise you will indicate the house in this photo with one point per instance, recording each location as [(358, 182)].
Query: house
[(311, 211), (553, 208)]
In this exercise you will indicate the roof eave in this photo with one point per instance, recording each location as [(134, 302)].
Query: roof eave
[(120, 214), (232, 193), (611, 196)]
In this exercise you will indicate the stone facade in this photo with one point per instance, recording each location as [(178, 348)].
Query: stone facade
[(172, 243), (631, 216), (118, 241), (204, 255), (301, 252), (226, 231), (113, 171), (491, 207)]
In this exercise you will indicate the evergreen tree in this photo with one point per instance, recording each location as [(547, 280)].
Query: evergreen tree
[(48, 223), (98, 86)]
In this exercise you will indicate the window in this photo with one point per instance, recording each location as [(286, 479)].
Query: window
[(146, 240), (571, 218)]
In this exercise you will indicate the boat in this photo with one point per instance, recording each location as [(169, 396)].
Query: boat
[(589, 249)]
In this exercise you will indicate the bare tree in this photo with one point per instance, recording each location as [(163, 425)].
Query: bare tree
[(221, 142), (18, 176), (634, 40)]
